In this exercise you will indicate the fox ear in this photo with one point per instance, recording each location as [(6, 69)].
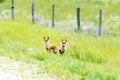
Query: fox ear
[(62, 40), (48, 38), (66, 40), (43, 37)]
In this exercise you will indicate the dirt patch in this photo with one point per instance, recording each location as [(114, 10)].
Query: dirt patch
[(10, 69)]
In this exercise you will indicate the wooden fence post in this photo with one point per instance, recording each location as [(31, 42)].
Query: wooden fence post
[(100, 24), (53, 15), (78, 19), (33, 21), (12, 9)]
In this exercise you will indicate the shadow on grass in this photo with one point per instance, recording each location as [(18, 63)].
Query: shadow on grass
[(89, 57), (1, 1)]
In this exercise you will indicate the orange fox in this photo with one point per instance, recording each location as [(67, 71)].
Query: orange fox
[(63, 46), (50, 47)]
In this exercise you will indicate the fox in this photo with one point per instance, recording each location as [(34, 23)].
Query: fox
[(63, 46), (49, 46)]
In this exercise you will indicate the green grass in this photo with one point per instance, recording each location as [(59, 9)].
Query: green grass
[(64, 9), (87, 57)]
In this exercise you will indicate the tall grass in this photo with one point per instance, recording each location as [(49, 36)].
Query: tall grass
[(87, 57)]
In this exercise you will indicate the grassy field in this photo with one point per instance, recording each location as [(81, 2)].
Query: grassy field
[(87, 57)]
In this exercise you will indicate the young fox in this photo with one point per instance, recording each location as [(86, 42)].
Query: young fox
[(52, 47), (63, 46), (49, 46)]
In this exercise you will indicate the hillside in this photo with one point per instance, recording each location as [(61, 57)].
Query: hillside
[(87, 57)]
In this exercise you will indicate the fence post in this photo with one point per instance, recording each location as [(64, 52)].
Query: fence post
[(78, 19), (33, 21), (100, 23), (53, 15), (12, 7)]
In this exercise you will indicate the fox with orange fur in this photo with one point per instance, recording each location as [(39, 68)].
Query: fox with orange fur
[(52, 47), (63, 46)]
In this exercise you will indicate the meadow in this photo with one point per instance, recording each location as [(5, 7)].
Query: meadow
[(87, 57)]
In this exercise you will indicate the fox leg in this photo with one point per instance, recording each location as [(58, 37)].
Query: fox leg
[(48, 49), (54, 52)]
